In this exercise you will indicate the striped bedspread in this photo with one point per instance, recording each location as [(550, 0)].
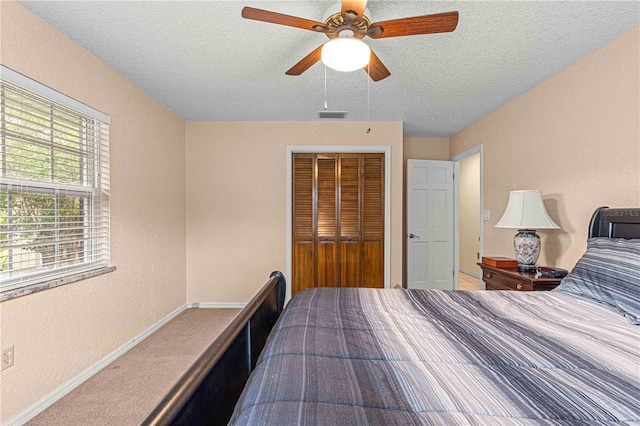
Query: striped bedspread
[(383, 357)]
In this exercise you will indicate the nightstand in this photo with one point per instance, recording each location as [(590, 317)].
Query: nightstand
[(513, 279)]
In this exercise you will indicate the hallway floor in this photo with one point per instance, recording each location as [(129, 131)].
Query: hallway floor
[(468, 282)]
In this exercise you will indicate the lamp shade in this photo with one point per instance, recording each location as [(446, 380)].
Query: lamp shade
[(525, 210), (345, 54)]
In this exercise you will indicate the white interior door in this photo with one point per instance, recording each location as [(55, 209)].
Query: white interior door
[(430, 214)]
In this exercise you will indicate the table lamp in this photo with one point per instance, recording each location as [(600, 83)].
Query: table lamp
[(526, 213)]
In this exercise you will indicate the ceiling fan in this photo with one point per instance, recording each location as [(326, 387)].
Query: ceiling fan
[(351, 18)]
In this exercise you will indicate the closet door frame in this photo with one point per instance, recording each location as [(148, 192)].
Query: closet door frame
[(386, 150)]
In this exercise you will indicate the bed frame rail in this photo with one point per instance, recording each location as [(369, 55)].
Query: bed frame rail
[(208, 391)]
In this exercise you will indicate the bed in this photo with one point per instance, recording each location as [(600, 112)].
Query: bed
[(368, 356)]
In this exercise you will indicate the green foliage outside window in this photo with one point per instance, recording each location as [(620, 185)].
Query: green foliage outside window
[(46, 224)]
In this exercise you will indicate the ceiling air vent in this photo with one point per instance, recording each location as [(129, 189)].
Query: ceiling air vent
[(332, 114)]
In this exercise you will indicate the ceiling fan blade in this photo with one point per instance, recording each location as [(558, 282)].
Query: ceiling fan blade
[(376, 69), (281, 19), (428, 24), (306, 62), (356, 6)]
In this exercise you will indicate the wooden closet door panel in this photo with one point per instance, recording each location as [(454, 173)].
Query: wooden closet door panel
[(349, 184), (303, 266), (326, 265), (350, 264), (373, 273), (302, 199), (373, 220), (326, 184), (373, 197), (350, 219), (327, 208)]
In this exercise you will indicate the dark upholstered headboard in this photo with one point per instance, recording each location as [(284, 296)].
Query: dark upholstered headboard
[(615, 223)]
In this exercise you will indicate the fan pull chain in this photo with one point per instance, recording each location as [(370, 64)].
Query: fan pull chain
[(325, 87), (368, 108)]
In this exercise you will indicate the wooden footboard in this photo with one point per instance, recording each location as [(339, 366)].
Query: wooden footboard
[(208, 391)]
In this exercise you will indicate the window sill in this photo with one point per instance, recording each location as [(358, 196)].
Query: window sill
[(34, 288)]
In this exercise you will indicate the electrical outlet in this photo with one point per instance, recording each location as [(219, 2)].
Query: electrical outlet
[(7, 357)]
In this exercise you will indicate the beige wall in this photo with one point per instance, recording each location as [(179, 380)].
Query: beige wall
[(236, 194), (425, 149), (60, 332), (469, 213), (575, 137)]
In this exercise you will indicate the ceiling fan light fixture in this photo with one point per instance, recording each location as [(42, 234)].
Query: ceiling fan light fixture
[(345, 54)]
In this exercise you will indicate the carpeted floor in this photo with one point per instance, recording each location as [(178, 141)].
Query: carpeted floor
[(125, 391)]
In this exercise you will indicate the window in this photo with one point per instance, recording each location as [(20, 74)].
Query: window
[(54, 185)]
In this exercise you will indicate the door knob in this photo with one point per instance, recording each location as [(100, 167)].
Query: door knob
[(412, 235)]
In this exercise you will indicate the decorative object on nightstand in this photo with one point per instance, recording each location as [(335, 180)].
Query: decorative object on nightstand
[(499, 261), (526, 213)]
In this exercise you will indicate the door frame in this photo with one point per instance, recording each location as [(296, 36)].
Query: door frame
[(456, 208), (295, 149)]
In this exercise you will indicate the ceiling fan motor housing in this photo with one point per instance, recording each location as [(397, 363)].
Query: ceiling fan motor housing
[(336, 23)]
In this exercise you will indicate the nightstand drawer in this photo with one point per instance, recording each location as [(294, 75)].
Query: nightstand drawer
[(501, 282)]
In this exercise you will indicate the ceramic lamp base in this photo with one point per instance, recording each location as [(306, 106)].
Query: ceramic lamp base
[(526, 244)]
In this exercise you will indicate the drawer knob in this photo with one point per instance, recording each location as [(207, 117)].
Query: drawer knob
[(519, 286), (489, 274)]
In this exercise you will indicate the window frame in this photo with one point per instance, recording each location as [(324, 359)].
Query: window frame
[(93, 196)]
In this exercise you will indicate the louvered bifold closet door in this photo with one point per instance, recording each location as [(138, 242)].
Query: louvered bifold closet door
[(303, 222), (338, 220), (350, 220), (373, 220), (327, 212)]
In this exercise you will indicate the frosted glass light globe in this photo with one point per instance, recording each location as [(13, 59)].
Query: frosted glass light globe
[(345, 54)]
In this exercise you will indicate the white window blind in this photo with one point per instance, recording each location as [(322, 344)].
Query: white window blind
[(54, 185)]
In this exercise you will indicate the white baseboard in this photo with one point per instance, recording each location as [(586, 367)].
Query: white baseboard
[(70, 385), (217, 305), (473, 274)]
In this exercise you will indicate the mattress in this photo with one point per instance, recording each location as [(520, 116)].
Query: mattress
[(371, 356)]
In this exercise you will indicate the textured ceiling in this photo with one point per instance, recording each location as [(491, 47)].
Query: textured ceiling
[(204, 62)]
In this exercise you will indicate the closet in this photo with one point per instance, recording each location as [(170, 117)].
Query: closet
[(338, 220)]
